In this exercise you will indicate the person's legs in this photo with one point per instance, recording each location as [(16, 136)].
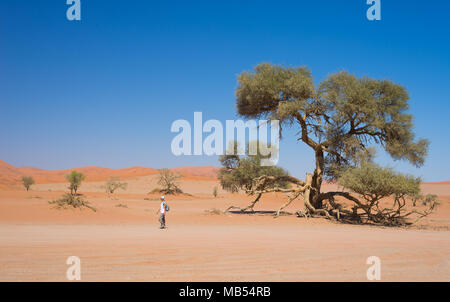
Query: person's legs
[(162, 220)]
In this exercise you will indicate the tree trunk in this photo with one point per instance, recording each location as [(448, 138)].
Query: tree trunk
[(317, 180)]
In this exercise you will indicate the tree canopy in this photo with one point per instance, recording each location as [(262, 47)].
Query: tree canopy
[(74, 178), (341, 116), (27, 181)]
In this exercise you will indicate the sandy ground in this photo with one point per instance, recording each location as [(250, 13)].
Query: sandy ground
[(125, 243)]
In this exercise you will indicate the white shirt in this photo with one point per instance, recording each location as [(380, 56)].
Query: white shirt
[(163, 207)]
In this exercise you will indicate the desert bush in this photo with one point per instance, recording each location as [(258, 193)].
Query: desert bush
[(75, 178), (240, 172), (71, 200), (169, 182), (114, 183), (121, 205), (215, 191), (374, 183), (430, 199), (27, 181)]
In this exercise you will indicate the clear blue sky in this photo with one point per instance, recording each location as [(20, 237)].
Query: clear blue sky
[(104, 91)]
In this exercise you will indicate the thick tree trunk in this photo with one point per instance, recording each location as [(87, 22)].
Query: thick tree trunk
[(317, 180)]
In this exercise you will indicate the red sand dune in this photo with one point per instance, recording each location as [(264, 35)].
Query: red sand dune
[(206, 171), (11, 175)]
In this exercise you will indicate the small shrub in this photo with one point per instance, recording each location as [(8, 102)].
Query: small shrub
[(70, 200), (374, 183), (75, 178), (430, 199), (215, 192), (114, 183), (121, 205), (169, 182), (27, 182)]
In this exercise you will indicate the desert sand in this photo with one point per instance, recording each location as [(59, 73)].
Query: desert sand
[(119, 243)]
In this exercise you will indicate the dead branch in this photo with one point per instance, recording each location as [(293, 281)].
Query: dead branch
[(250, 206)]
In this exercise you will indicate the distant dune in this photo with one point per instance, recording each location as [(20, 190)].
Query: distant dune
[(206, 171), (11, 175)]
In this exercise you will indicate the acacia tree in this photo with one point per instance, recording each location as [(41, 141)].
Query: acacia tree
[(168, 181), (75, 178), (27, 181), (339, 120)]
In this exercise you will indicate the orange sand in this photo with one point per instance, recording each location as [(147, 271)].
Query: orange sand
[(125, 244)]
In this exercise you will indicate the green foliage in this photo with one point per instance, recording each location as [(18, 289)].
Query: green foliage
[(71, 200), (240, 172), (75, 178), (342, 116), (429, 199), (262, 91), (374, 182), (215, 192), (114, 183), (365, 110), (169, 182), (27, 181)]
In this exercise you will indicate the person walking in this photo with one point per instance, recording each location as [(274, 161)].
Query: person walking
[(162, 215)]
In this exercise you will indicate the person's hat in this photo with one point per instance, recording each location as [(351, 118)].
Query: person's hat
[(163, 198)]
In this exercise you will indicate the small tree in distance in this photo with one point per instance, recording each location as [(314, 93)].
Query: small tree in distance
[(72, 199), (114, 183), (27, 181), (215, 192), (75, 178), (168, 182)]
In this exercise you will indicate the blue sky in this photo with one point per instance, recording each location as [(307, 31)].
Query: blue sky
[(105, 90)]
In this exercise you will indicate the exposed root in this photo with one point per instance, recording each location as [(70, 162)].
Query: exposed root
[(249, 207), (290, 200), (364, 210)]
